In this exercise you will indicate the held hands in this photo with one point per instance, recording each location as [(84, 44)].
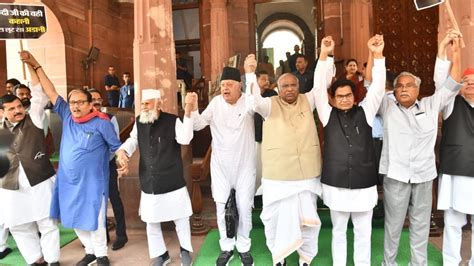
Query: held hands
[(451, 36), (250, 64), (376, 45), (27, 57), (327, 45), (191, 101), (122, 163)]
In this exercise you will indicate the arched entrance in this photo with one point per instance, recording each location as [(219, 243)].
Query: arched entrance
[(275, 48), (289, 22)]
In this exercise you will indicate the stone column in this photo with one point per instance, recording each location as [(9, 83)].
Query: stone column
[(154, 62), (219, 37)]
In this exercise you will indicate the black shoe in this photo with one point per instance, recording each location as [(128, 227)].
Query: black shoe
[(103, 261), (4, 253), (224, 258), (280, 264), (161, 260), (119, 243), (88, 258), (246, 258)]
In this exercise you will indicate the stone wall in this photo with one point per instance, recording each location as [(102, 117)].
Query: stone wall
[(105, 24)]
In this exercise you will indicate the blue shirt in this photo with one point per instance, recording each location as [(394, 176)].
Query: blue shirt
[(377, 127), (126, 96), (83, 175)]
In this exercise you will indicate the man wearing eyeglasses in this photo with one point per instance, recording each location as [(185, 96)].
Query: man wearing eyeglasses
[(349, 175), (408, 158), (81, 191), (291, 166)]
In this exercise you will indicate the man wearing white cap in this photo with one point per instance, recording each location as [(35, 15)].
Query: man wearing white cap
[(233, 161), (164, 195)]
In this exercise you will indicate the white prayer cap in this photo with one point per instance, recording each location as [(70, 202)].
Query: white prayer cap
[(149, 94)]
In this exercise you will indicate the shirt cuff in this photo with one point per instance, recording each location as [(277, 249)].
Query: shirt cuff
[(452, 85)]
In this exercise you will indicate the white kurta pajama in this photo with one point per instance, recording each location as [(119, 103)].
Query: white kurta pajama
[(290, 218), (345, 203), (455, 193), (171, 206), (289, 207), (26, 211), (233, 164)]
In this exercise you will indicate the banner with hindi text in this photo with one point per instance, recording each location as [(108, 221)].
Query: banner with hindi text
[(22, 21)]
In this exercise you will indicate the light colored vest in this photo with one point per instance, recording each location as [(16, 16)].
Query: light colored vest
[(290, 146)]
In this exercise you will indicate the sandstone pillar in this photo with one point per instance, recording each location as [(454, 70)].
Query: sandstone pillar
[(219, 37), (154, 62)]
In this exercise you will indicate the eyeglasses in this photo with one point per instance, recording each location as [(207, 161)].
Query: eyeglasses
[(346, 96), (409, 85), (79, 102)]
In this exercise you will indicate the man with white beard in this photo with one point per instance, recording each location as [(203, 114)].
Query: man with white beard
[(164, 195)]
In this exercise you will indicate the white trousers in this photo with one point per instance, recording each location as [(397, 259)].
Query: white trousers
[(242, 240), (452, 237), (95, 242), (362, 222), (291, 224), (156, 243), (31, 246), (3, 238)]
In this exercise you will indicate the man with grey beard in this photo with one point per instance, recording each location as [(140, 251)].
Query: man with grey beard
[(164, 196)]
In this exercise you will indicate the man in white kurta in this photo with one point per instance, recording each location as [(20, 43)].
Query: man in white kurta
[(233, 162), (456, 183), (291, 161), (349, 173), (25, 211), (164, 195)]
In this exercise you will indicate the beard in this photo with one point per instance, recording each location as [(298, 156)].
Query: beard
[(148, 117), (26, 102)]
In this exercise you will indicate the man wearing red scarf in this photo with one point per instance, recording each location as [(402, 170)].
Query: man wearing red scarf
[(81, 191)]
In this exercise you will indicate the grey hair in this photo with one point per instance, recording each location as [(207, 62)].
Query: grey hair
[(285, 75), (406, 73)]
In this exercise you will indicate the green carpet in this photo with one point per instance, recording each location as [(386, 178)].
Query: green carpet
[(210, 248), (15, 258)]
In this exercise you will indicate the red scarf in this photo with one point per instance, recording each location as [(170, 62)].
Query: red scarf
[(91, 115)]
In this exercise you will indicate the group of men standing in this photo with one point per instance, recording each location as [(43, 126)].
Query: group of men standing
[(295, 170), (345, 174)]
